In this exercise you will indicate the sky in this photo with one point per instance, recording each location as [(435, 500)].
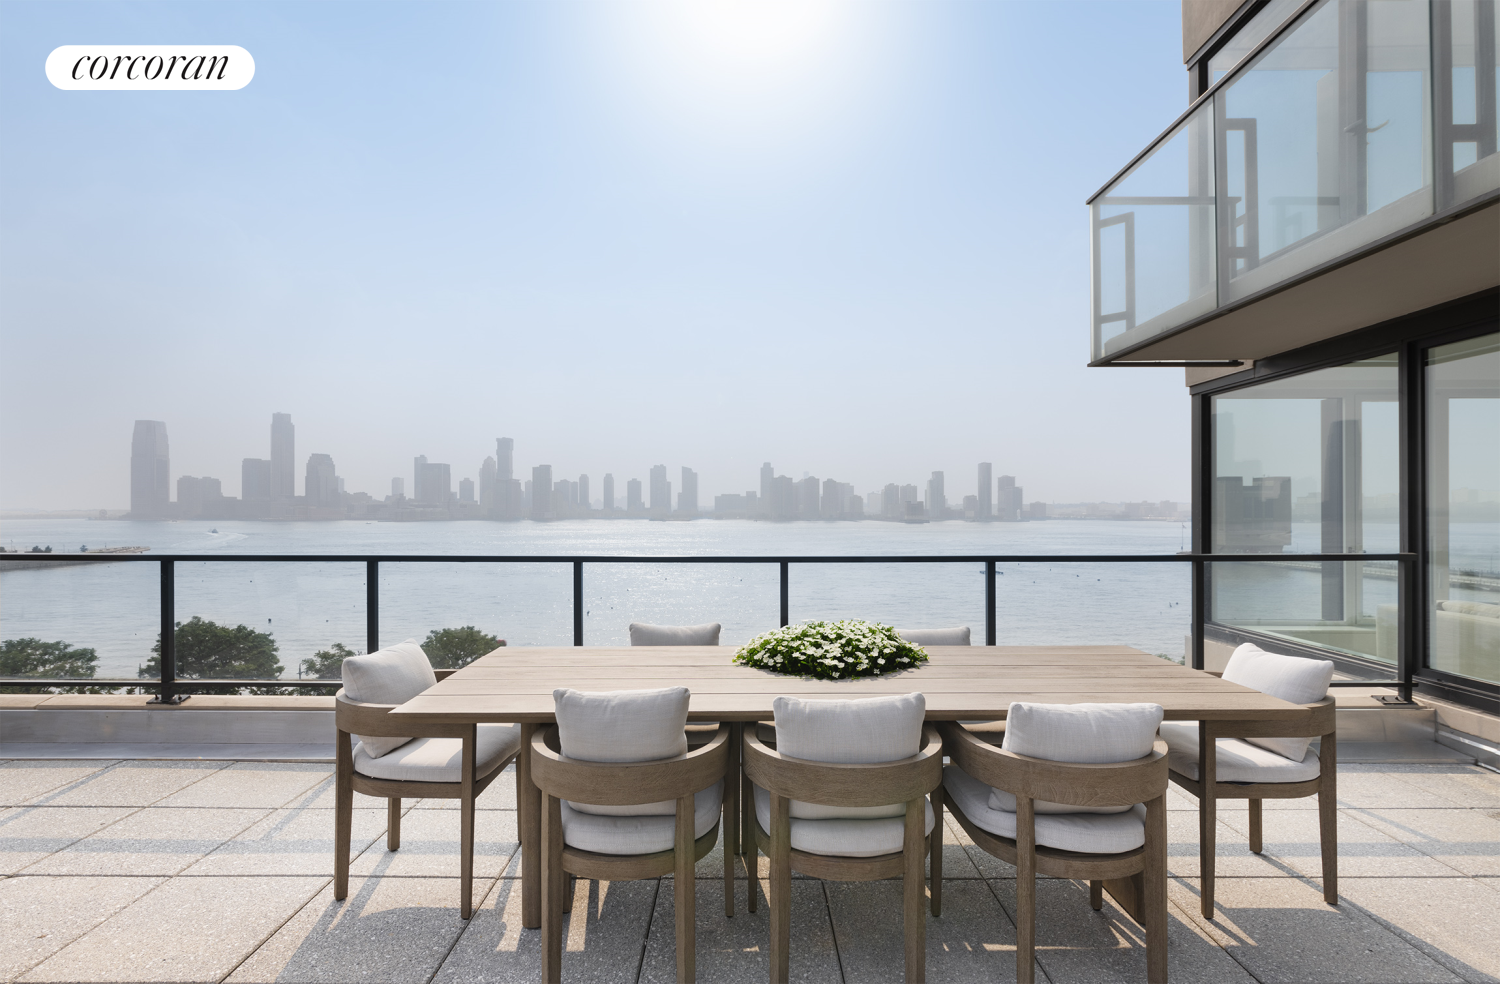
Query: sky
[(848, 238)]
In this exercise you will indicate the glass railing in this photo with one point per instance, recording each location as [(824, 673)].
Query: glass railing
[(1358, 120)]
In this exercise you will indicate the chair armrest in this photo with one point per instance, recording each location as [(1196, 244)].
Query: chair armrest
[(626, 783), (1321, 719), (845, 784), (1073, 783), (359, 718)]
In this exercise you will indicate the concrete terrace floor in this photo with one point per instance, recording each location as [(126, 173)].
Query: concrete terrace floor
[(213, 871)]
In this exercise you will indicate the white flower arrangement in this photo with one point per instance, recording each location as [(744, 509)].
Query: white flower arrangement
[(832, 650)]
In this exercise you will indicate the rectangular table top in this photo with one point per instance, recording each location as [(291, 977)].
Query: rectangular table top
[(960, 682)]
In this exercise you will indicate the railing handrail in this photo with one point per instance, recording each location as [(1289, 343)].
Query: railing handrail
[(710, 558)]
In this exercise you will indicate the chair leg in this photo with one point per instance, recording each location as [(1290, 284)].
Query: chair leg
[(684, 887), (749, 841), (1096, 895), (936, 855), (1255, 828), (466, 824), (1207, 817), (343, 816), (1153, 903), (393, 823), (1328, 816), (551, 888), (730, 818), (1025, 891), (569, 889), (781, 888), (915, 919)]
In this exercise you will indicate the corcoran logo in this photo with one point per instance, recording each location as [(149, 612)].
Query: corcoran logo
[(150, 66)]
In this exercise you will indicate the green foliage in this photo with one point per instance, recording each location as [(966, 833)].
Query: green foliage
[(448, 649), (327, 664), (35, 658), (832, 650), (209, 651)]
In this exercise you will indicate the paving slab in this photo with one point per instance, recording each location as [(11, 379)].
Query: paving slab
[(603, 937), (21, 782), (290, 842), (1465, 840), (1075, 943), (1293, 839), (1454, 921), (1280, 929), (1460, 785), (323, 797), (389, 930), (1232, 856), (130, 784), (429, 846), (30, 833), (39, 916), (736, 949), (153, 841), (214, 923), (973, 940), (245, 784)]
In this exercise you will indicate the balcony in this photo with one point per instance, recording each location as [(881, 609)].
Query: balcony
[(1345, 173)]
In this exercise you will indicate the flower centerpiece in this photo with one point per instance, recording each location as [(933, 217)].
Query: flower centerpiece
[(832, 650)]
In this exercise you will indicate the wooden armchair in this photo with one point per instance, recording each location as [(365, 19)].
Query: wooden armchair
[(878, 847), (456, 761), (1124, 852), (633, 852)]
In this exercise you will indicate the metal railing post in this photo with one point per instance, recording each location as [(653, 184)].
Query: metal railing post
[(577, 602), (167, 660), (1406, 629), (1200, 610), (989, 603), (786, 605), (372, 606)]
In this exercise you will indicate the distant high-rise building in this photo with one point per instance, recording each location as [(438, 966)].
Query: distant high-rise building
[(583, 493), (687, 499), (986, 510), (526, 498), (255, 479), (150, 470), (321, 486), (465, 490), (432, 481), (283, 457), (661, 491), (1007, 499), (505, 459), (937, 502), (831, 506), (609, 491), (541, 493), (908, 494), (398, 487), (767, 477), (808, 498), (783, 498), (489, 487), (890, 501), (198, 496), (633, 503)]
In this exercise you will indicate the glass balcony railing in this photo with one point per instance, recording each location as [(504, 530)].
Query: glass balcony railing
[(1359, 119)]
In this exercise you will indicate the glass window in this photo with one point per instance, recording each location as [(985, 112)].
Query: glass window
[(1266, 20), (1310, 464), (1466, 37), (1323, 142), (1463, 508)]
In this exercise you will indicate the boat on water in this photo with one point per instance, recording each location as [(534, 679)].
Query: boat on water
[(28, 560)]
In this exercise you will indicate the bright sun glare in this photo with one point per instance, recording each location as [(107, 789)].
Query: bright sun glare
[(755, 32)]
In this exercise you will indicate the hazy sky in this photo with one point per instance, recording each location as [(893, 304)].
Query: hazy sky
[(848, 238)]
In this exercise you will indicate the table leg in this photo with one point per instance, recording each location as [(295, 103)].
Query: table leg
[(529, 818)]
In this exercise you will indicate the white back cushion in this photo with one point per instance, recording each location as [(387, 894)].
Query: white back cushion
[(642, 634), (879, 729), (393, 675), (622, 725), (1292, 678), (1086, 733), (936, 637)]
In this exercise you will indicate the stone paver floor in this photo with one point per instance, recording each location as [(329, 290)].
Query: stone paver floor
[(206, 871)]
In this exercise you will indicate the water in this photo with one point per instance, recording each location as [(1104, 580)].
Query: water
[(307, 607)]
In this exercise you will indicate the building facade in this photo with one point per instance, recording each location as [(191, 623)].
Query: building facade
[(150, 470), (283, 457)]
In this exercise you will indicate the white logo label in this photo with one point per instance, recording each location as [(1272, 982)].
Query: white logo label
[(150, 66)]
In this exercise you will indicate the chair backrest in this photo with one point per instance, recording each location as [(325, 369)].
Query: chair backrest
[(1086, 734), (958, 636), (393, 675), (622, 725), (849, 732), (642, 634), (1292, 678)]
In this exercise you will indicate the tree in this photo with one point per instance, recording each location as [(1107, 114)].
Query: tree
[(35, 658), (210, 651), (448, 649), (327, 664)]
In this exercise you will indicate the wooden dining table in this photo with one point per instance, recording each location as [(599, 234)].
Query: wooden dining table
[(960, 683)]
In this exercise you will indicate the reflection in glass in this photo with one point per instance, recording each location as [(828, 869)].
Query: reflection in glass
[(1463, 507), (1309, 464), (1466, 36), (1266, 20)]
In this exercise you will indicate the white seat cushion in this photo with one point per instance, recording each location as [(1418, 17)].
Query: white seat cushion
[(1081, 733), (843, 837), (936, 637), (642, 634), (1087, 833), (393, 675), (880, 729), (623, 726), (441, 759), (1234, 760), (625, 835), (1292, 678)]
